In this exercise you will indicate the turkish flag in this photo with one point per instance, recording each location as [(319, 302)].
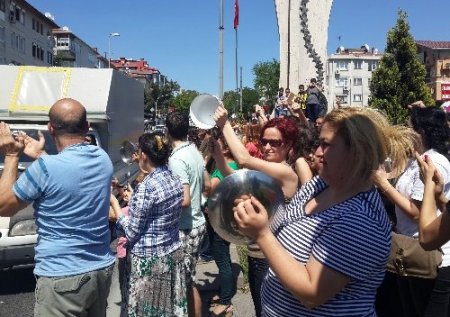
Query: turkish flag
[(236, 14)]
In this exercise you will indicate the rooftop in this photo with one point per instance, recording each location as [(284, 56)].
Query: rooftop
[(434, 44)]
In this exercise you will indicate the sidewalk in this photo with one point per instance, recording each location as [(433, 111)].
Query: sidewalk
[(208, 285)]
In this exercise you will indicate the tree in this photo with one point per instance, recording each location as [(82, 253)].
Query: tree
[(400, 78), (183, 100), (158, 96), (231, 99), (267, 76)]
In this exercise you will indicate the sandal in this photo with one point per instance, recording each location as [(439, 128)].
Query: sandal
[(227, 312)]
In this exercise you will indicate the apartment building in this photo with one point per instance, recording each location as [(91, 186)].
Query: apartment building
[(139, 69), (72, 51), (349, 72), (25, 34), (435, 55)]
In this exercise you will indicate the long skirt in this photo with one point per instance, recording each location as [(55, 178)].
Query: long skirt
[(156, 286)]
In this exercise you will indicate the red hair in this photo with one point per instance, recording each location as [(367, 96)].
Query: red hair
[(287, 128)]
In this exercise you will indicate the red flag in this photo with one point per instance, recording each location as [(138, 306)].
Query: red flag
[(236, 14)]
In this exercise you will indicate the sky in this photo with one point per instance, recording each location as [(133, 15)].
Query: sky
[(181, 37)]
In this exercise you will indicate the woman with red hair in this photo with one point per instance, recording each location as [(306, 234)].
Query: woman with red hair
[(277, 138)]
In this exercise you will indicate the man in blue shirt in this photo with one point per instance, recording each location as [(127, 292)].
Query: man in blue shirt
[(70, 192)]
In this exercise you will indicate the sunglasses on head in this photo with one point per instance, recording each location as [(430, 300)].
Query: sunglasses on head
[(273, 143)]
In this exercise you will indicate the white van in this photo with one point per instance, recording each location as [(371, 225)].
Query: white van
[(115, 110)]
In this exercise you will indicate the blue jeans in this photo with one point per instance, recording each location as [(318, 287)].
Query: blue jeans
[(439, 303), (220, 250), (257, 270)]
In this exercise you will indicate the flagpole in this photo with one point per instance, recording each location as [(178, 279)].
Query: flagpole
[(240, 101), (236, 24), (221, 51), (236, 66)]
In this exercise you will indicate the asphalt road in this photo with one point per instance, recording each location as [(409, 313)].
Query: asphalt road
[(17, 292)]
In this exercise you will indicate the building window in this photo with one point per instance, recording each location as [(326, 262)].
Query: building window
[(373, 66), (2, 34), (342, 82), (357, 81), (42, 53), (22, 45), (62, 42), (342, 65), (49, 58), (343, 98), (33, 24), (13, 39), (42, 29), (34, 49), (358, 64), (357, 97), (3, 5)]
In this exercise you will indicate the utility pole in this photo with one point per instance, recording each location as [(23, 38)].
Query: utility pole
[(221, 51)]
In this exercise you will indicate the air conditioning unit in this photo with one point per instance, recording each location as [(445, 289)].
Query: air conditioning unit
[(345, 88), (337, 72)]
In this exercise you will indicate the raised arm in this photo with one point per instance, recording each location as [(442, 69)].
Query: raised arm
[(11, 148), (434, 230), (410, 207), (34, 148), (284, 174)]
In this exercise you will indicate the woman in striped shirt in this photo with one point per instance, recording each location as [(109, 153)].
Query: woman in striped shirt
[(327, 253)]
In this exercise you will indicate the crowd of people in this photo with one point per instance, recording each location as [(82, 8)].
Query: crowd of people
[(362, 198)]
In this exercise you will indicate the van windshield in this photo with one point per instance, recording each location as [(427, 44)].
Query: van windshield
[(50, 147)]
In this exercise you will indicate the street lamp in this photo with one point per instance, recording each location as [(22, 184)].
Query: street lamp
[(109, 47)]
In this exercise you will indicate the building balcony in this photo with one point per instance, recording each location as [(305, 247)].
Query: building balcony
[(65, 54)]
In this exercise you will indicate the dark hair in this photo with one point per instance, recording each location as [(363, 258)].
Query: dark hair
[(431, 123), (76, 123), (194, 137), (287, 128), (91, 138), (307, 142), (155, 147), (313, 81), (177, 124)]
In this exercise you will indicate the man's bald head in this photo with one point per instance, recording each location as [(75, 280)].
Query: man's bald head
[(68, 116)]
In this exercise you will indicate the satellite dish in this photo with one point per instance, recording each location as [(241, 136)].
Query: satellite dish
[(202, 110)]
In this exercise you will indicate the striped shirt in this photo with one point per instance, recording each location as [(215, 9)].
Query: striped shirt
[(352, 238), (152, 224)]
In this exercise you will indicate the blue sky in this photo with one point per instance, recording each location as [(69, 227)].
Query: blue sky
[(181, 38)]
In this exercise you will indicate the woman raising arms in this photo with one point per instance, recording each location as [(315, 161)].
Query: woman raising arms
[(277, 138), (327, 253)]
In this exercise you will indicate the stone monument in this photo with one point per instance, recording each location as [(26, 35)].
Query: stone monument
[(303, 32)]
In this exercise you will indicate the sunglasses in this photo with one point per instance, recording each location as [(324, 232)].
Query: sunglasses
[(273, 143)]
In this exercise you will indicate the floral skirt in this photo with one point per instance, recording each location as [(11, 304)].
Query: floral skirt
[(156, 286)]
